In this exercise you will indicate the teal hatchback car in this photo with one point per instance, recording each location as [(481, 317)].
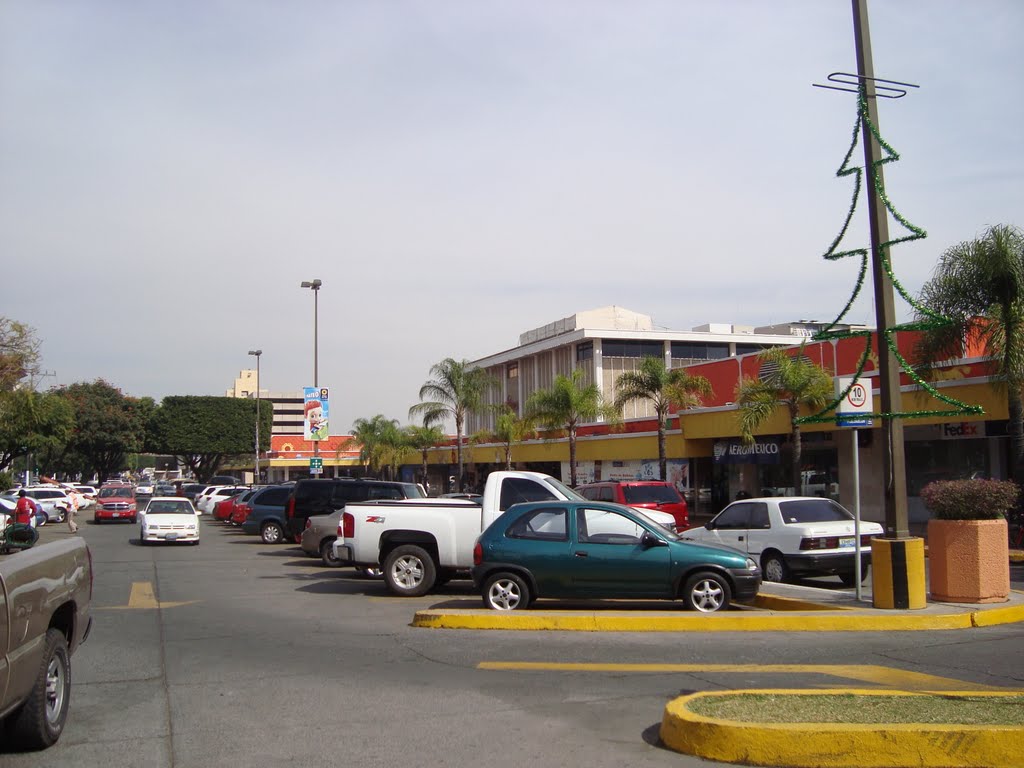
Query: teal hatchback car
[(587, 549)]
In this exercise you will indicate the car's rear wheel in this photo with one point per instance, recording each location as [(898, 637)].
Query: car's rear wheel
[(327, 554), (409, 571), (272, 533), (506, 592), (40, 721), (774, 568), (707, 593)]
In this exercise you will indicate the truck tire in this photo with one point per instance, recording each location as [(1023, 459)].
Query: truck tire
[(40, 721), (272, 533), (327, 554), (409, 571)]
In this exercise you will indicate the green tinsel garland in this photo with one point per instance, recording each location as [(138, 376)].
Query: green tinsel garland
[(931, 319)]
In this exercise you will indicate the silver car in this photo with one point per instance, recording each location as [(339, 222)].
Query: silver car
[(318, 541)]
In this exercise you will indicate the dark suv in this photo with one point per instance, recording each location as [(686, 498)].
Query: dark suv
[(322, 497), (264, 513), (641, 494)]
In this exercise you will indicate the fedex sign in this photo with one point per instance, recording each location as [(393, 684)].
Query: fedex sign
[(963, 429)]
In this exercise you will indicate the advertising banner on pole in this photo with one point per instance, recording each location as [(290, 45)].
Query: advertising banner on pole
[(316, 411)]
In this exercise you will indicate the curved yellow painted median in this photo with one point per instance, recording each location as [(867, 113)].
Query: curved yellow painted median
[(828, 745)]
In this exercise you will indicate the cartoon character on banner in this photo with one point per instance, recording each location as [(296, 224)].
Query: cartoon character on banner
[(316, 419)]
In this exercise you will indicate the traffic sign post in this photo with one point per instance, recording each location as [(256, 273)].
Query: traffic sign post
[(316, 465), (852, 411)]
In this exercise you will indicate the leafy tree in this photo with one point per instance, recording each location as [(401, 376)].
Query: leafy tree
[(978, 285), (422, 439), (380, 439), (202, 432), (454, 392), (19, 352), (32, 423), (108, 426), (790, 380), (511, 428), (569, 403), (663, 387)]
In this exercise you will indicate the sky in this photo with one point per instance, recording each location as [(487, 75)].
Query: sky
[(457, 172)]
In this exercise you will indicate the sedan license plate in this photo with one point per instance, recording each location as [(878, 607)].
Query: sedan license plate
[(116, 514), (847, 542), (170, 536)]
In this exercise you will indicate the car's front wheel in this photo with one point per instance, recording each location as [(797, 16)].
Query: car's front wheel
[(409, 571), (707, 593), (272, 533), (327, 554), (774, 568), (506, 592), (40, 721)]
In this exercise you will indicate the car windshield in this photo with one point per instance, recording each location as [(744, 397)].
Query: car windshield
[(650, 494), (113, 493), (812, 511), (169, 508)]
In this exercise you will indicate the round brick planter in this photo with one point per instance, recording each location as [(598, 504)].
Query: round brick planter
[(968, 561)]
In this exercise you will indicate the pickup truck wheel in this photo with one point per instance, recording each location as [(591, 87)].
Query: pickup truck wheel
[(272, 533), (506, 592), (327, 554), (707, 592), (409, 571), (774, 567), (40, 721)]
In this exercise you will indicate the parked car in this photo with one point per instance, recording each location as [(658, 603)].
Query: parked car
[(642, 495), (322, 497), (225, 480), (191, 490), (223, 510), (54, 501), (264, 513), (144, 487), (169, 519), (204, 504), (115, 502), (586, 549), (791, 535)]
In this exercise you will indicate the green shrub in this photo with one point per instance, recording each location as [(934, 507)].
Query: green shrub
[(970, 499)]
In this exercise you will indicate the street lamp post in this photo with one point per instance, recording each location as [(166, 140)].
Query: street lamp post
[(314, 285), (256, 353)]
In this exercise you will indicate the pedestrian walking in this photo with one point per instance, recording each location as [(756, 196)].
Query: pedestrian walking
[(25, 510)]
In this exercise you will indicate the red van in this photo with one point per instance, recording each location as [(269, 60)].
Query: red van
[(641, 494)]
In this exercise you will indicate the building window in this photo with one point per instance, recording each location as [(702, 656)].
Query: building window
[(746, 349), (584, 351), (610, 348), (695, 350), (513, 370)]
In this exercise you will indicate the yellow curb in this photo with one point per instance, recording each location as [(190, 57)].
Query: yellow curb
[(828, 745), (777, 603), (793, 621)]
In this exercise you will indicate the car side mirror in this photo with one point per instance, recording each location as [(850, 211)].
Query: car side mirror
[(710, 525), (649, 540)]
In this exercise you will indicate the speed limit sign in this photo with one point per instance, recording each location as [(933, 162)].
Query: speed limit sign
[(855, 402)]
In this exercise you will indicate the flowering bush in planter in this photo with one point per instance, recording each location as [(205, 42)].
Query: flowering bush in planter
[(968, 551), (970, 499)]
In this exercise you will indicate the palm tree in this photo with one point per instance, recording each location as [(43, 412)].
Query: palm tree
[(792, 380), (663, 387), (454, 392), (978, 286), (510, 428), (423, 439), (568, 403), (377, 438)]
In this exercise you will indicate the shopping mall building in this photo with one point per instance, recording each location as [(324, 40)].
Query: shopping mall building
[(707, 459)]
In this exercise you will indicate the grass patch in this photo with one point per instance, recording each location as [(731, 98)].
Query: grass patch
[(853, 708)]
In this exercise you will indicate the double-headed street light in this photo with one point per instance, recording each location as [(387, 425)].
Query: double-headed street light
[(257, 353), (314, 285)]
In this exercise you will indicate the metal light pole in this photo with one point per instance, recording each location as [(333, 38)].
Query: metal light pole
[(257, 353), (314, 285)]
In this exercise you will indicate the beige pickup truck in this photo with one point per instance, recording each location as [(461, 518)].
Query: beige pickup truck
[(45, 592)]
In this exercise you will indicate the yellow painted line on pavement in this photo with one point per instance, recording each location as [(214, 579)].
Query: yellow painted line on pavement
[(143, 597), (888, 677)]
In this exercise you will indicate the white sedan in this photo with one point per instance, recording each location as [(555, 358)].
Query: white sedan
[(791, 535), (169, 518)]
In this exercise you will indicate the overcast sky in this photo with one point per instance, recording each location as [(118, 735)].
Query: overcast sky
[(458, 172)]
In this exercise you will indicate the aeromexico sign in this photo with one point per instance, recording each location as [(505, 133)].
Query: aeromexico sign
[(738, 452)]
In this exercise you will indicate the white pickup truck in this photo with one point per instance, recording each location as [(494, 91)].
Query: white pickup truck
[(423, 542)]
